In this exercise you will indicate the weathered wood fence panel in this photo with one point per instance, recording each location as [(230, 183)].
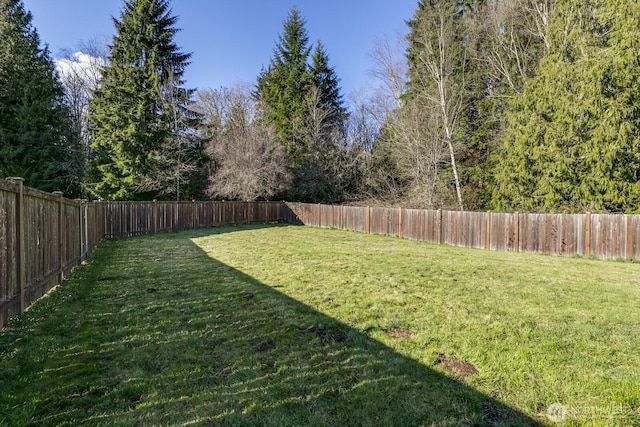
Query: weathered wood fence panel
[(421, 225), (502, 232), (605, 236), (126, 219), (615, 236), (42, 238)]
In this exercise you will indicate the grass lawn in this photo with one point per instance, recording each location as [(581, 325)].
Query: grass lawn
[(293, 326)]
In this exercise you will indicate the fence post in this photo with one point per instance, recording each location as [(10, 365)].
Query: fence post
[(439, 227), (368, 219), (193, 214), (84, 252), (21, 258), (587, 235), (400, 221), (59, 195), (516, 232), (319, 213), (628, 249), (487, 242), (155, 216)]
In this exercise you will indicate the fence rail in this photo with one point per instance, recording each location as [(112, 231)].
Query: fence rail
[(604, 236), (44, 236)]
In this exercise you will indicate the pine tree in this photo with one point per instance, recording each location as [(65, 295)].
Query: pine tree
[(36, 141), (127, 122), (572, 140)]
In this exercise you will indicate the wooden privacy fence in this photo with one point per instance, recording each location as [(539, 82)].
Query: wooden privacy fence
[(604, 236), (124, 219), (44, 236)]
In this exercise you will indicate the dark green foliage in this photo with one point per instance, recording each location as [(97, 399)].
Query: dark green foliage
[(36, 141), (128, 121), (299, 95), (572, 140), (329, 97), (283, 87)]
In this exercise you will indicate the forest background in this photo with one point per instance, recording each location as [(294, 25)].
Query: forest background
[(498, 104)]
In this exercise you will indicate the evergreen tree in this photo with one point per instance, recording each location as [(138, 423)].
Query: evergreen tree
[(283, 87), (573, 138), (299, 95), (128, 122), (36, 141), (325, 79)]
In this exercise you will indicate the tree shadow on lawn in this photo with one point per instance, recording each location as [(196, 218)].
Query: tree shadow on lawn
[(201, 343)]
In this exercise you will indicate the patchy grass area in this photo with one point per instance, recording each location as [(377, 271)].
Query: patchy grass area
[(284, 325)]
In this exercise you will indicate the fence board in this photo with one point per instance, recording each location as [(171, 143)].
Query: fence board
[(609, 236)]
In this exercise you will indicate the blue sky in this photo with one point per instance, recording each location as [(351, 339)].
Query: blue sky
[(232, 40)]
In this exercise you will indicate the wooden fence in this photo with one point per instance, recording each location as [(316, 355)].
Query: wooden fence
[(123, 219), (604, 236), (44, 236)]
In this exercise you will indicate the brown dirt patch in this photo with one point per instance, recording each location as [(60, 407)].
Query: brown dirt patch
[(400, 332), (492, 412), (456, 366)]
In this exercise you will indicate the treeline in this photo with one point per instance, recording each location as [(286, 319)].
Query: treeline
[(526, 105)]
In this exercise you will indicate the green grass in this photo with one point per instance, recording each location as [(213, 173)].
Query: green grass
[(284, 325)]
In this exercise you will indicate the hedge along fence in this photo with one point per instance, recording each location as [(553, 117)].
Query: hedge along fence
[(604, 236)]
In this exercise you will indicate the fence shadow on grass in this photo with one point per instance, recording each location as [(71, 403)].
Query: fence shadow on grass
[(180, 338)]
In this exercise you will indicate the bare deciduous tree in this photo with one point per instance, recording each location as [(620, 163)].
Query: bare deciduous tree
[(389, 70), (420, 149), (514, 38), (80, 72), (439, 73), (179, 156), (249, 163)]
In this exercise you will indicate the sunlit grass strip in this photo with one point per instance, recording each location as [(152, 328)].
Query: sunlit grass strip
[(284, 325), (540, 330)]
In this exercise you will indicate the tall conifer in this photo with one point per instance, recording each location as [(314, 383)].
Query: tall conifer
[(36, 142), (128, 123), (283, 87), (299, 95)]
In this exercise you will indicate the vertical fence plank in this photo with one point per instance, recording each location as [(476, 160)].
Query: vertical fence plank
[(60, 243), (20, 248), (587, 235)]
